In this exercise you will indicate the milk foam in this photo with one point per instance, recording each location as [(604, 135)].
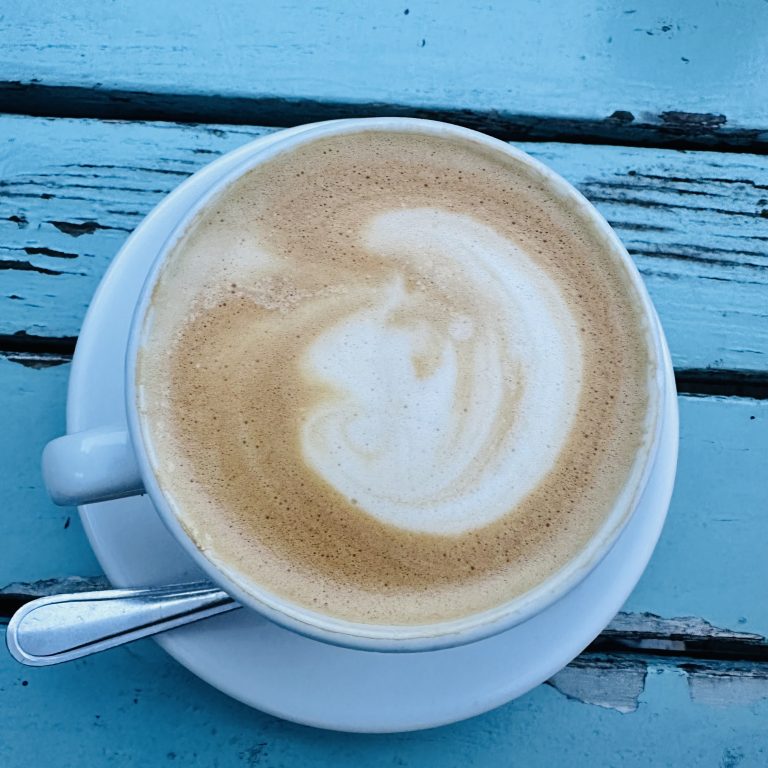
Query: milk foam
[(394, 378), (418, 445)]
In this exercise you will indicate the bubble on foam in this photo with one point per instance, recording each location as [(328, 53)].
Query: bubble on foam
[(415, 451), (461, 328)]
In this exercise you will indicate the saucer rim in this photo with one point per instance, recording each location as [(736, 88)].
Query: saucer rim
[(95, 333)]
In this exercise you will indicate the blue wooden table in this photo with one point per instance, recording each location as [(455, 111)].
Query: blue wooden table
[(657, 111)]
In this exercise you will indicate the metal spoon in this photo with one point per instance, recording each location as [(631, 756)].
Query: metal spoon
[(60, 628)]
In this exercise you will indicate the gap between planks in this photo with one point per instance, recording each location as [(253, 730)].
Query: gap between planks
[(43, 352), (628, 633), (671, 129), (695, 223), (722, 667)]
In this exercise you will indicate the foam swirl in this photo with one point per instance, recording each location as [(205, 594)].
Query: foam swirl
[(393, 377), (441, 422)]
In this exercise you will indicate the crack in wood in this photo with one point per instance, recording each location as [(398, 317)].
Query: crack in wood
[(129, 168), (634, 187), (637, 226), (29, 343), (699, 180), (683, 249), (724, 383), (722, 667), (76, 185), (25, 266), (678, 256), (43, 251), (35, 359), (78, 229), (666, 205)]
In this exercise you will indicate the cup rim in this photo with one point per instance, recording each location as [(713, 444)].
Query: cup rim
[(437, 635)]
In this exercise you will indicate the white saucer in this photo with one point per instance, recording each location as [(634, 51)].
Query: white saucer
[(291, 676)]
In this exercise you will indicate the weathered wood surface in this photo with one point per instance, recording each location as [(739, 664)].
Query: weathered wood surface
[(649, 71), (134, 706), (72, 190), (710, 562), (680, 677)]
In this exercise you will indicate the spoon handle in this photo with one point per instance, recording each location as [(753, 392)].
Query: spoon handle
[(60, 628)]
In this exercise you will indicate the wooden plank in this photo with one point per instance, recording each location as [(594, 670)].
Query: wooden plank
[(627, 634), (126, 703), (640, 709), (710, 563), (64, 214), (707, 562), (696, 224), (623, 70), (39, 539)]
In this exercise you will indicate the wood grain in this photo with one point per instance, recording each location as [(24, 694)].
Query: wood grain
[(619, 71), (72, 190), (680, 677)]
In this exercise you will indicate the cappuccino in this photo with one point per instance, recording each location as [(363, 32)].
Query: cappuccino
[(395, 378)]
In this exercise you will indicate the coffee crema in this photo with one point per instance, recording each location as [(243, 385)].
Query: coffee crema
[(394, 378)]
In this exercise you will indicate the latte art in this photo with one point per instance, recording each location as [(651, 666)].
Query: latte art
[(394, 378), (436, 421)]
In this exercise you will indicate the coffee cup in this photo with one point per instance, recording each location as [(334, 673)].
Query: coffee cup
[(375, 320)]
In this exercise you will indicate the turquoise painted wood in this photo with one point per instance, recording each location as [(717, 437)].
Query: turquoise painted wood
[(710, 562), (673, 65), (137, 701), (41, 540), (695, 223), (133, 706)]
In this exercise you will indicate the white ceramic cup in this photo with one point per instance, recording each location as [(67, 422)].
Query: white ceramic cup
[(112, 462)]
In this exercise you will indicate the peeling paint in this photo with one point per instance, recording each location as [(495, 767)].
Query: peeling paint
[(16, 594), (35, 359), (722, 667), (737, 684), (700, 265), (622, 116), (45, 587), (25, 266), (704, 121), (77, 229), (682, 628), (609, 683), (682, 636), (45, 251), (618, 681)]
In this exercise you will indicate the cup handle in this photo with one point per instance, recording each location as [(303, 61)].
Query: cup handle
[(91, 466)]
